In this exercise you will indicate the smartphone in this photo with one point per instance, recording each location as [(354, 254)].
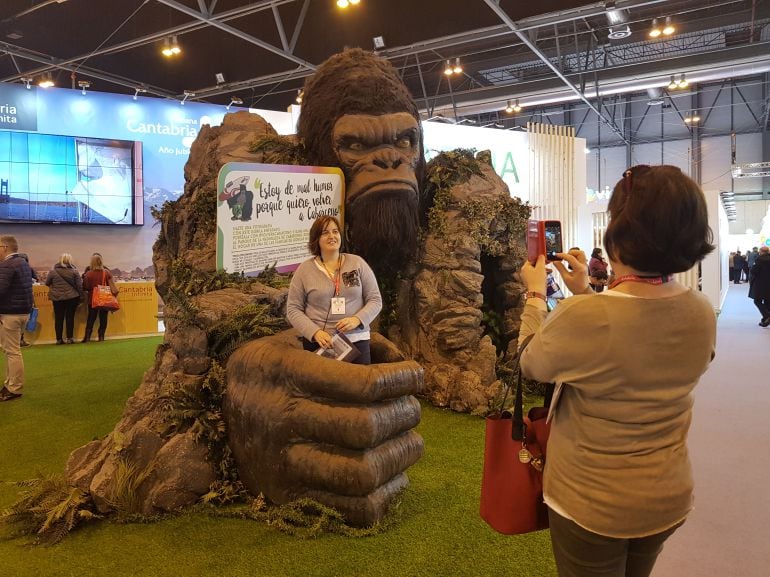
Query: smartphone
[(544, 237)]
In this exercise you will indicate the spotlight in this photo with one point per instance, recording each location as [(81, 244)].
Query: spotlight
[(682, 82), (27, 82), (300, 96), (234, 100), (692, 119), (83, 85), (354, 2), (509, 107), (448, 70), (516, 106), (343, 3), (187, 94), (669, 28), (46, 81), (170, 47), (457, 68), (673, 85), (655, 31), (138, 91)]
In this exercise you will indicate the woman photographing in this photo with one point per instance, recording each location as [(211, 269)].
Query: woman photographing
[(333, 292), (618, 480)]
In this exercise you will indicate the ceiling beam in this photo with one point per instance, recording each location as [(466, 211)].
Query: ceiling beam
[(237, 33), (497, 9)]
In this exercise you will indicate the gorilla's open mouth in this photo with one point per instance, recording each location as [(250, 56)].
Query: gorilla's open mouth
[(397, 186)]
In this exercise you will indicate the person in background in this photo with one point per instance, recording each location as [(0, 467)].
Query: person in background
[(617, 478), (737, 267), (65, 290), (333, 292), (752, 258), (97, 275), (759, 289), (35, 280), (15, 305), (597, 271), (730, 266)]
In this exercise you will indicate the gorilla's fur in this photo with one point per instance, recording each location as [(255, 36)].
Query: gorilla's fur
[(383, 231), (352, 82)]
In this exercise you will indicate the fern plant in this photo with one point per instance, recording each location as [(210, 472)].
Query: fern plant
[(49, 509), (124, 496), (244, 324)]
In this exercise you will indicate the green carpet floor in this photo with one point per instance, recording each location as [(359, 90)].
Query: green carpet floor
[(76, 393)]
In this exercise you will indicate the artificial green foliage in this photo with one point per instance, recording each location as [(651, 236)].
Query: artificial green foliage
[(444, 172), (167, 208), (49, 509), (304, 518), (505, 234), (123, 495), (272, 278), (194, 282), (204, 208), (248, 322), (199, 409), (280, 150)]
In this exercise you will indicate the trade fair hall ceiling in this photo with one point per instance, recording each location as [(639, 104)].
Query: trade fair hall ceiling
[(539, 52)]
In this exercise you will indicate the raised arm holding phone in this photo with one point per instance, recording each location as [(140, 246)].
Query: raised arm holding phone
[(625, 362)]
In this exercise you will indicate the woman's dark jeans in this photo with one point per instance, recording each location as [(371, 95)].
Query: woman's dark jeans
[(91, 320), (64, 312)]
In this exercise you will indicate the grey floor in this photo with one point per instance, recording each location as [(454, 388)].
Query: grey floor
[(728, 532)]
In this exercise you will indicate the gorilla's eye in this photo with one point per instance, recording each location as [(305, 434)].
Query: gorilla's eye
[(404, 142), (356, 145)]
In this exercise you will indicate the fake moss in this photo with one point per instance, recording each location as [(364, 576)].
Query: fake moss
[(444, 172), (280, 150)]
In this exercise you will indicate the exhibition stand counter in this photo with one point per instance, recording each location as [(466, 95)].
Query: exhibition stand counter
[(138, 314)]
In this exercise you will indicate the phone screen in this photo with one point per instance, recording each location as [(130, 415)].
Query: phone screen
[(553, 242)]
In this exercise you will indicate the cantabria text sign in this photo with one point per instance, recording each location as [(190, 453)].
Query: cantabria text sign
[(264, 213)]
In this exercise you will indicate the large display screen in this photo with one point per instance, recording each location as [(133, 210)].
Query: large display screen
[(69, 179)]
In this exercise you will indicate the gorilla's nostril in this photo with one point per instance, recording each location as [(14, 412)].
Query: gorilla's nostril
[(380, 163), (397, 162)]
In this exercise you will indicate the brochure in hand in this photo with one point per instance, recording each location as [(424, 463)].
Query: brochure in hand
[(342, 349)]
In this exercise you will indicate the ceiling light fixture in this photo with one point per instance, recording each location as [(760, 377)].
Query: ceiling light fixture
[(345, 3), (509, 107), (673, 85), (669, 28), (300, 96), (458, 68), (448, 70), (234, 100), (682, 82), (655, 31), (139, 90), (692, 119), (27, 82), (83, 85), (46, 81), (170, 47), (516, 106), (187, 94)]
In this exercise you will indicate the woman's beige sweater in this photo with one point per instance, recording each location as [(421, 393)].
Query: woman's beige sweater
[(625, 369)]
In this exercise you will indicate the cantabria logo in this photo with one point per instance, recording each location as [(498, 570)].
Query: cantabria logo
[(159, 128)]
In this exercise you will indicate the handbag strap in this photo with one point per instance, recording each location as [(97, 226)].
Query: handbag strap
[(72, 284), (518, 426)]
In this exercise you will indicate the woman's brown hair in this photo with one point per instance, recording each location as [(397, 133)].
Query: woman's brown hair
[(317, 229), (658, 221)]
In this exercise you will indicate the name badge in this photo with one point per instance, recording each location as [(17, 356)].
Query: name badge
[(338, 306)]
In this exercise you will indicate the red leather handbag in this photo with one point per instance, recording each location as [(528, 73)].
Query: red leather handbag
[(514, 457)]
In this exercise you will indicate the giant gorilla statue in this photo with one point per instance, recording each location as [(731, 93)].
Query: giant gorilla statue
[(301, 425), (359, 115)]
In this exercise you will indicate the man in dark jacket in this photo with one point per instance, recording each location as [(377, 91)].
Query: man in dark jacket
[(737, 267), (759, 289), (15, 305)]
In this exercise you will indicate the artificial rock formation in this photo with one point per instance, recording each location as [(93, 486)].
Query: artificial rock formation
[(463, 289)]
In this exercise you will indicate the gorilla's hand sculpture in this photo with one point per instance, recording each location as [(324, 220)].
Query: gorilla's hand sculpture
[(304, 426)]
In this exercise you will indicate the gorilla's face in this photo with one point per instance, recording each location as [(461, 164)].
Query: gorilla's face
[(379, 155)]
